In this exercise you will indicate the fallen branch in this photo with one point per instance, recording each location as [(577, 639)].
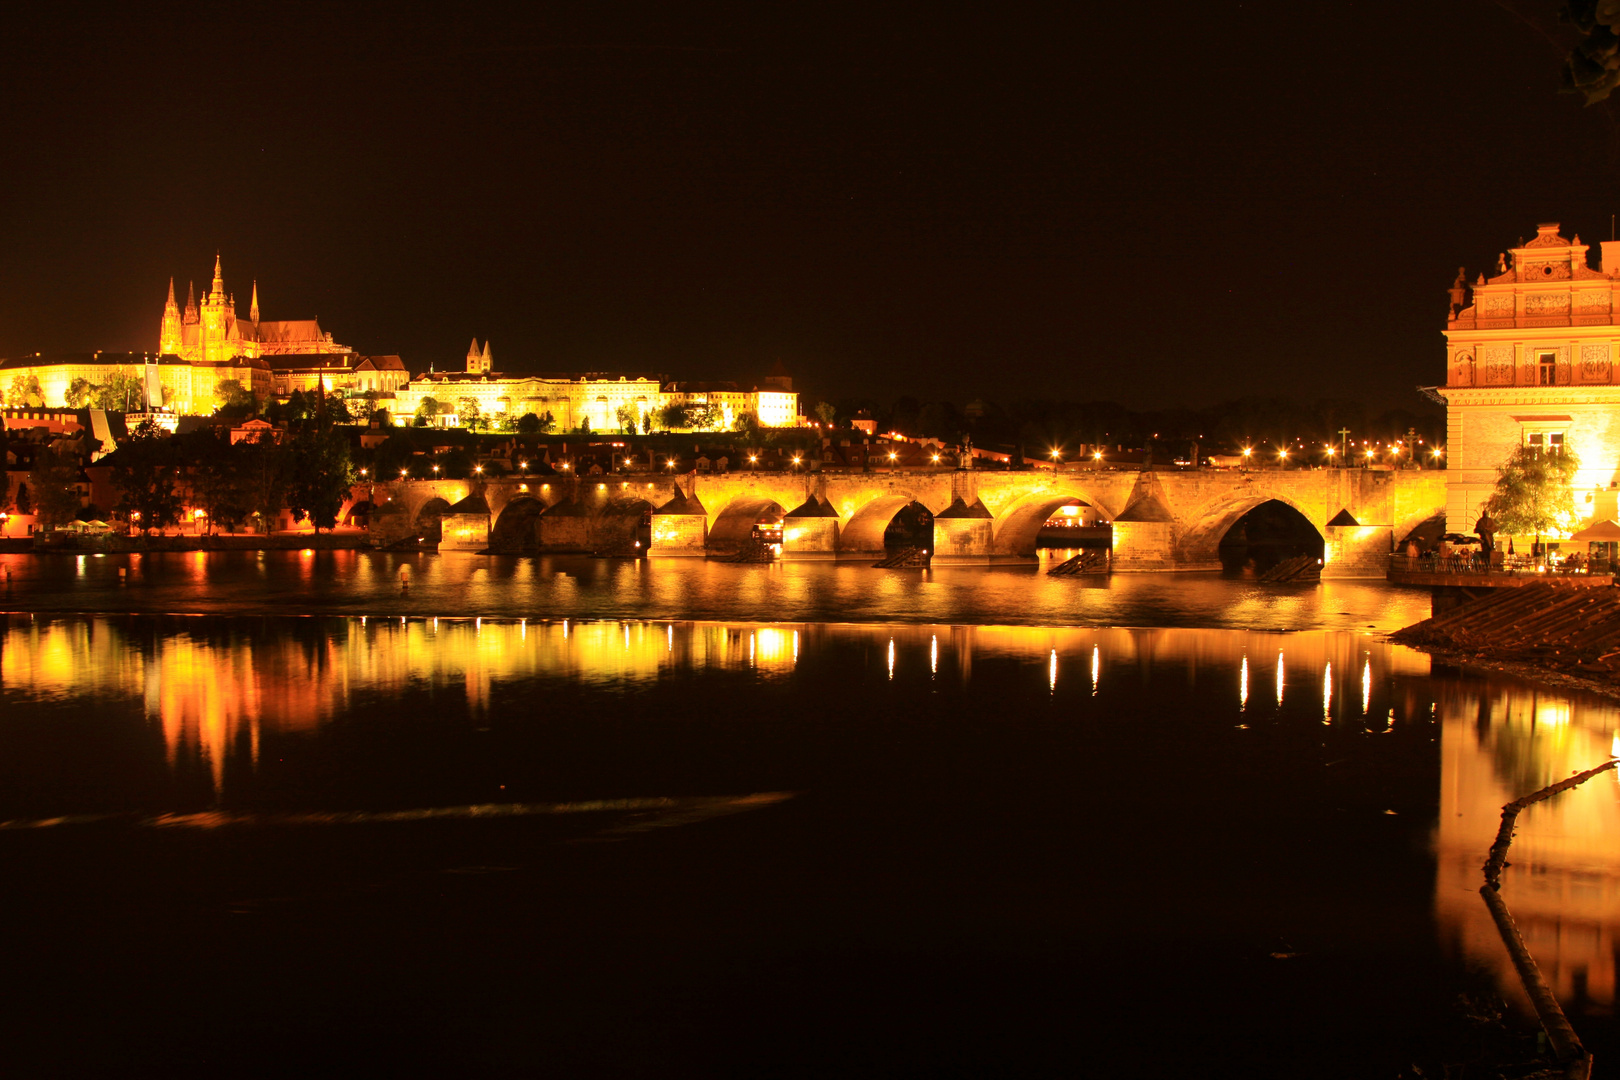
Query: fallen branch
[(1560, 1033)]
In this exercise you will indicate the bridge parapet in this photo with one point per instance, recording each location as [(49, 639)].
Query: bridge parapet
[(1162, 520)]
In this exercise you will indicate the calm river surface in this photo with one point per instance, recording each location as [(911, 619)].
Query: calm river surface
[(524, 818)]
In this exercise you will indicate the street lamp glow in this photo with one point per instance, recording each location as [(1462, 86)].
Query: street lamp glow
[(1330, 451), (1282, 455), (403, 473), (1248, 451), (1056, 455), (1096, 455), (936, 458), (1435, 451)]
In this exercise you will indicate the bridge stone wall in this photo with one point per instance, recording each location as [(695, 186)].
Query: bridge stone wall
[(1162, 520)]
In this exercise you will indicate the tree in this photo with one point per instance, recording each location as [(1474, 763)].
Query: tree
[(24, 390), (319, 476), (827, 412), (232, 398), (120, 393), (145, 475), (78, 392), (55, 481), (745, 421), (263, 468), (671, 417), (702, 417), (217, 482), (646, 422), (1535, 492), (426, 410), (468, 414), (626, 416)]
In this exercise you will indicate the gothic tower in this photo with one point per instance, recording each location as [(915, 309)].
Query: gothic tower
[(475, 360), (170, 340), (217, 314)]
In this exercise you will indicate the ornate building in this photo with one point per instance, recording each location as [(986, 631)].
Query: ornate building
[(595, 399), (211, 332), (1531, 362)]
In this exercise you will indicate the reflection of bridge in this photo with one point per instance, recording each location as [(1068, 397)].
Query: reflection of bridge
[(1161, 520)]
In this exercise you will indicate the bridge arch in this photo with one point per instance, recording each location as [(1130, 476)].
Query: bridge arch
[(864, 531), (1018, 525), (427, 522), (733, 525), (515, 527), (1206, 527)]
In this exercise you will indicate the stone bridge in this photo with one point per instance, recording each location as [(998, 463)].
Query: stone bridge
[(1172, 520)]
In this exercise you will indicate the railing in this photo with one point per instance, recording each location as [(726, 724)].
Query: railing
[(1464, 562)]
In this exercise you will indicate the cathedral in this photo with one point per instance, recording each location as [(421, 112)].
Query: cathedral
[(211, 332)]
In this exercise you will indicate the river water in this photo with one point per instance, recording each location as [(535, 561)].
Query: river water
[(586, 817)]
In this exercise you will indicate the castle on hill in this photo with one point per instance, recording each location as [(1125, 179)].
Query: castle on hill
[(212, 332)]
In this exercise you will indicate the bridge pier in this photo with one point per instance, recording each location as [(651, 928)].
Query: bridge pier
[(964, 535), (680, 528), (1356, 551)]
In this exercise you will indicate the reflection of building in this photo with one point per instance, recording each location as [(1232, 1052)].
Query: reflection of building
[(596, 399), (1563, 877), (1531, 362)]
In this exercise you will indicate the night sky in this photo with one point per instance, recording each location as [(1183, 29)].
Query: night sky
[(1074, 201)]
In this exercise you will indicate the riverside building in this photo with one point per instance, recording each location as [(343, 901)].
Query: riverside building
[(1530, 361)]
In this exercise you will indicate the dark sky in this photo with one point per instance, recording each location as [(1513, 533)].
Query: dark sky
[(1083, 201)]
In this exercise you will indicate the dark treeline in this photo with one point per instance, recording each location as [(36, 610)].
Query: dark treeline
[(1042, 425)]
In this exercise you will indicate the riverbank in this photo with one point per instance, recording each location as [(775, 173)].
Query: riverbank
[(108, 544), (1554, 631)]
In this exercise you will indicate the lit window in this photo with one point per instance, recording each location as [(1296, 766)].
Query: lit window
[(1550, 441), (1547, 362)]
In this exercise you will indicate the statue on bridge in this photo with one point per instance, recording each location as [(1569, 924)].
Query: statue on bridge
[(1485, 529)]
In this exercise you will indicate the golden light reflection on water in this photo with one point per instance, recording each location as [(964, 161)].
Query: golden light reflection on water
[(215, 689), (1500, 741)]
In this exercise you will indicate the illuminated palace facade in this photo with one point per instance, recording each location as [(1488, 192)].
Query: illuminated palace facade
[(205, 344), (574, 399), (1531, 361)]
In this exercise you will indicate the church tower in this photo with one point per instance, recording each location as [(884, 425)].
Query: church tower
[(478, 362), (170, 340), (217, 315)]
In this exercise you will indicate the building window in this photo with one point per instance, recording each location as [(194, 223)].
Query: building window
[(1550, 441), (1547, 363)]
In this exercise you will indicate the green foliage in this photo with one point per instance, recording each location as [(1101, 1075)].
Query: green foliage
[(468, 414), (54, 480), (745, 421), (626, 416), (671, 417), (218, 481), (146, 476), (78, 393), (646, 422), (827, 412), (1592, 67), (262, 467), (120, 393), (319, 476), (1535, 493), (24, 391), (233, 399)]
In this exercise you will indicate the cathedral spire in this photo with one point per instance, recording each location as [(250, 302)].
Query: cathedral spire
[(191, 296), (170, 303), (253, 311), (219, 279), (472, 355)]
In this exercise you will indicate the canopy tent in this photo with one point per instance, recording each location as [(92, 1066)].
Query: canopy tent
[(1601, 531)]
